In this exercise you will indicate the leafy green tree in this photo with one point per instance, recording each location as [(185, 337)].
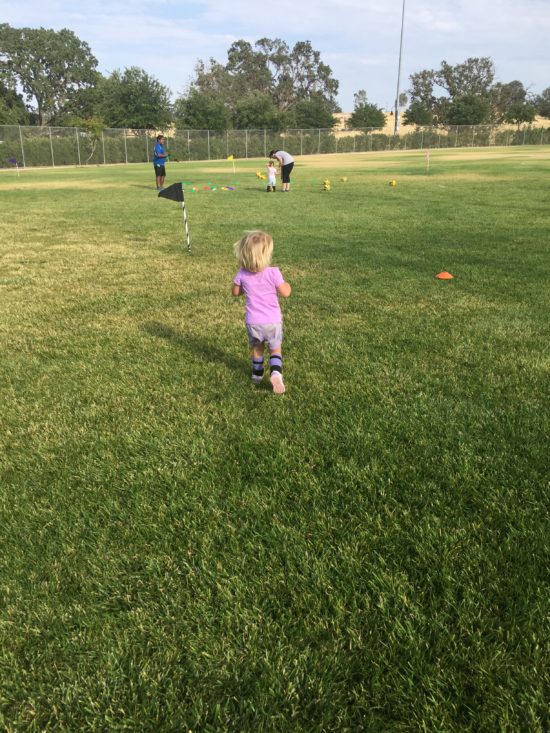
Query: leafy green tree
[(134, 99), (365, 114), (418, 114), (467, 110), (504, 96), (464, 81), (422, 89), (94, 127), (313, 113), (256, 111), (269, 68), (542, 103), (202, 111), (12, 107), (471, 78), (520, 112), (50, 67)]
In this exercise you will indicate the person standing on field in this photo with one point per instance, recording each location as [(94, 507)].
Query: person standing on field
[(271, 176), (286, 161), (160, 158)]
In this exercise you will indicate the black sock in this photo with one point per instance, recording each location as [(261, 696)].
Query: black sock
[(258, 366), (276, 363)]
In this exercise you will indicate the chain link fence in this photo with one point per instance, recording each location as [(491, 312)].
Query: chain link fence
[(57, 146)]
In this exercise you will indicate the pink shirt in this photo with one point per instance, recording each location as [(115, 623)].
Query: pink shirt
[(260, 290)]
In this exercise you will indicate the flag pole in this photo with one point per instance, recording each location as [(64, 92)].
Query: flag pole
[(186, 226)]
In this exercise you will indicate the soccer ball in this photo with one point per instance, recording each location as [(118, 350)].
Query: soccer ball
[(393, 183)]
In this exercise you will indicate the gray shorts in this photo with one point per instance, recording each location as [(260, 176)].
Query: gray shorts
[(270, 333)]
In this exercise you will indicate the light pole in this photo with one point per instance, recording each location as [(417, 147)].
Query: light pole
[(396, 129)]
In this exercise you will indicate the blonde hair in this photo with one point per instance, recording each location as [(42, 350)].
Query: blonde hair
[(254, 250)]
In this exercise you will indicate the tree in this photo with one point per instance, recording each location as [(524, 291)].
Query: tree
[(255, 111), (505, 96), (467, 80), (467, 110), (471, 78), (418, 114), (50, 67), (422, 88), (314, 113), (520, 112), (269, 68), (134, 99), (365, 114), (202, 111), (542, 103), (12, 107)]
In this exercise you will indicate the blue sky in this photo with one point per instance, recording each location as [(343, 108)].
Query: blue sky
[(358, 39)]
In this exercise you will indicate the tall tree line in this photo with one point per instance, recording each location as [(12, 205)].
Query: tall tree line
[(50, 77)]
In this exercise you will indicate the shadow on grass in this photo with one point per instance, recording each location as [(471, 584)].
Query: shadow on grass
[(205, 350)]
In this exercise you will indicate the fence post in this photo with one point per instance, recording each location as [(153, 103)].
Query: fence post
[(524, 131), (188, 146), (147, 145), (103, 146), (422, 140), (456, 136), (22, 146), (541, 131), (77, 145), (125, 147), (51, 147), (473, 134), (319, 143), (246, 143), (208, 134)]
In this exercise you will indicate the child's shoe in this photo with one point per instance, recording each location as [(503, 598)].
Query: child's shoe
[(277, 383), (256, 379)]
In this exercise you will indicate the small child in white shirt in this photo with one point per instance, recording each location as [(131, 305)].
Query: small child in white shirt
[(271, 173)]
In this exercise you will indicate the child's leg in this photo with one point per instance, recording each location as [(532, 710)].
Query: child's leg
[(276, 369), (257, 363)]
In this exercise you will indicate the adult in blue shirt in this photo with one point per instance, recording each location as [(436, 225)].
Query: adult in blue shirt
[(160, 157)]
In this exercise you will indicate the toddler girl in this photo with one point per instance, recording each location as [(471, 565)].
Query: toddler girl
[(271, 179), (261, 285)]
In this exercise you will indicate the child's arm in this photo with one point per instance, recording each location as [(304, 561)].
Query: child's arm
[(284, 289), (237, 290)]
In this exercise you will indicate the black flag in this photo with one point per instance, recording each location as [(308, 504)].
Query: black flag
[(175, 193)]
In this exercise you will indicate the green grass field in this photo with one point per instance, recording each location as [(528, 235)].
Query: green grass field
[(369, 552)]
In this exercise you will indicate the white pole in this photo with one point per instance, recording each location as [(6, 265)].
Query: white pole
[(103, 146), (78, 145), (396, 130), (125, 147)]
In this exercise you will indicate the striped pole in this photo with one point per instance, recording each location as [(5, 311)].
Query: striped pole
[(186, 226)]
